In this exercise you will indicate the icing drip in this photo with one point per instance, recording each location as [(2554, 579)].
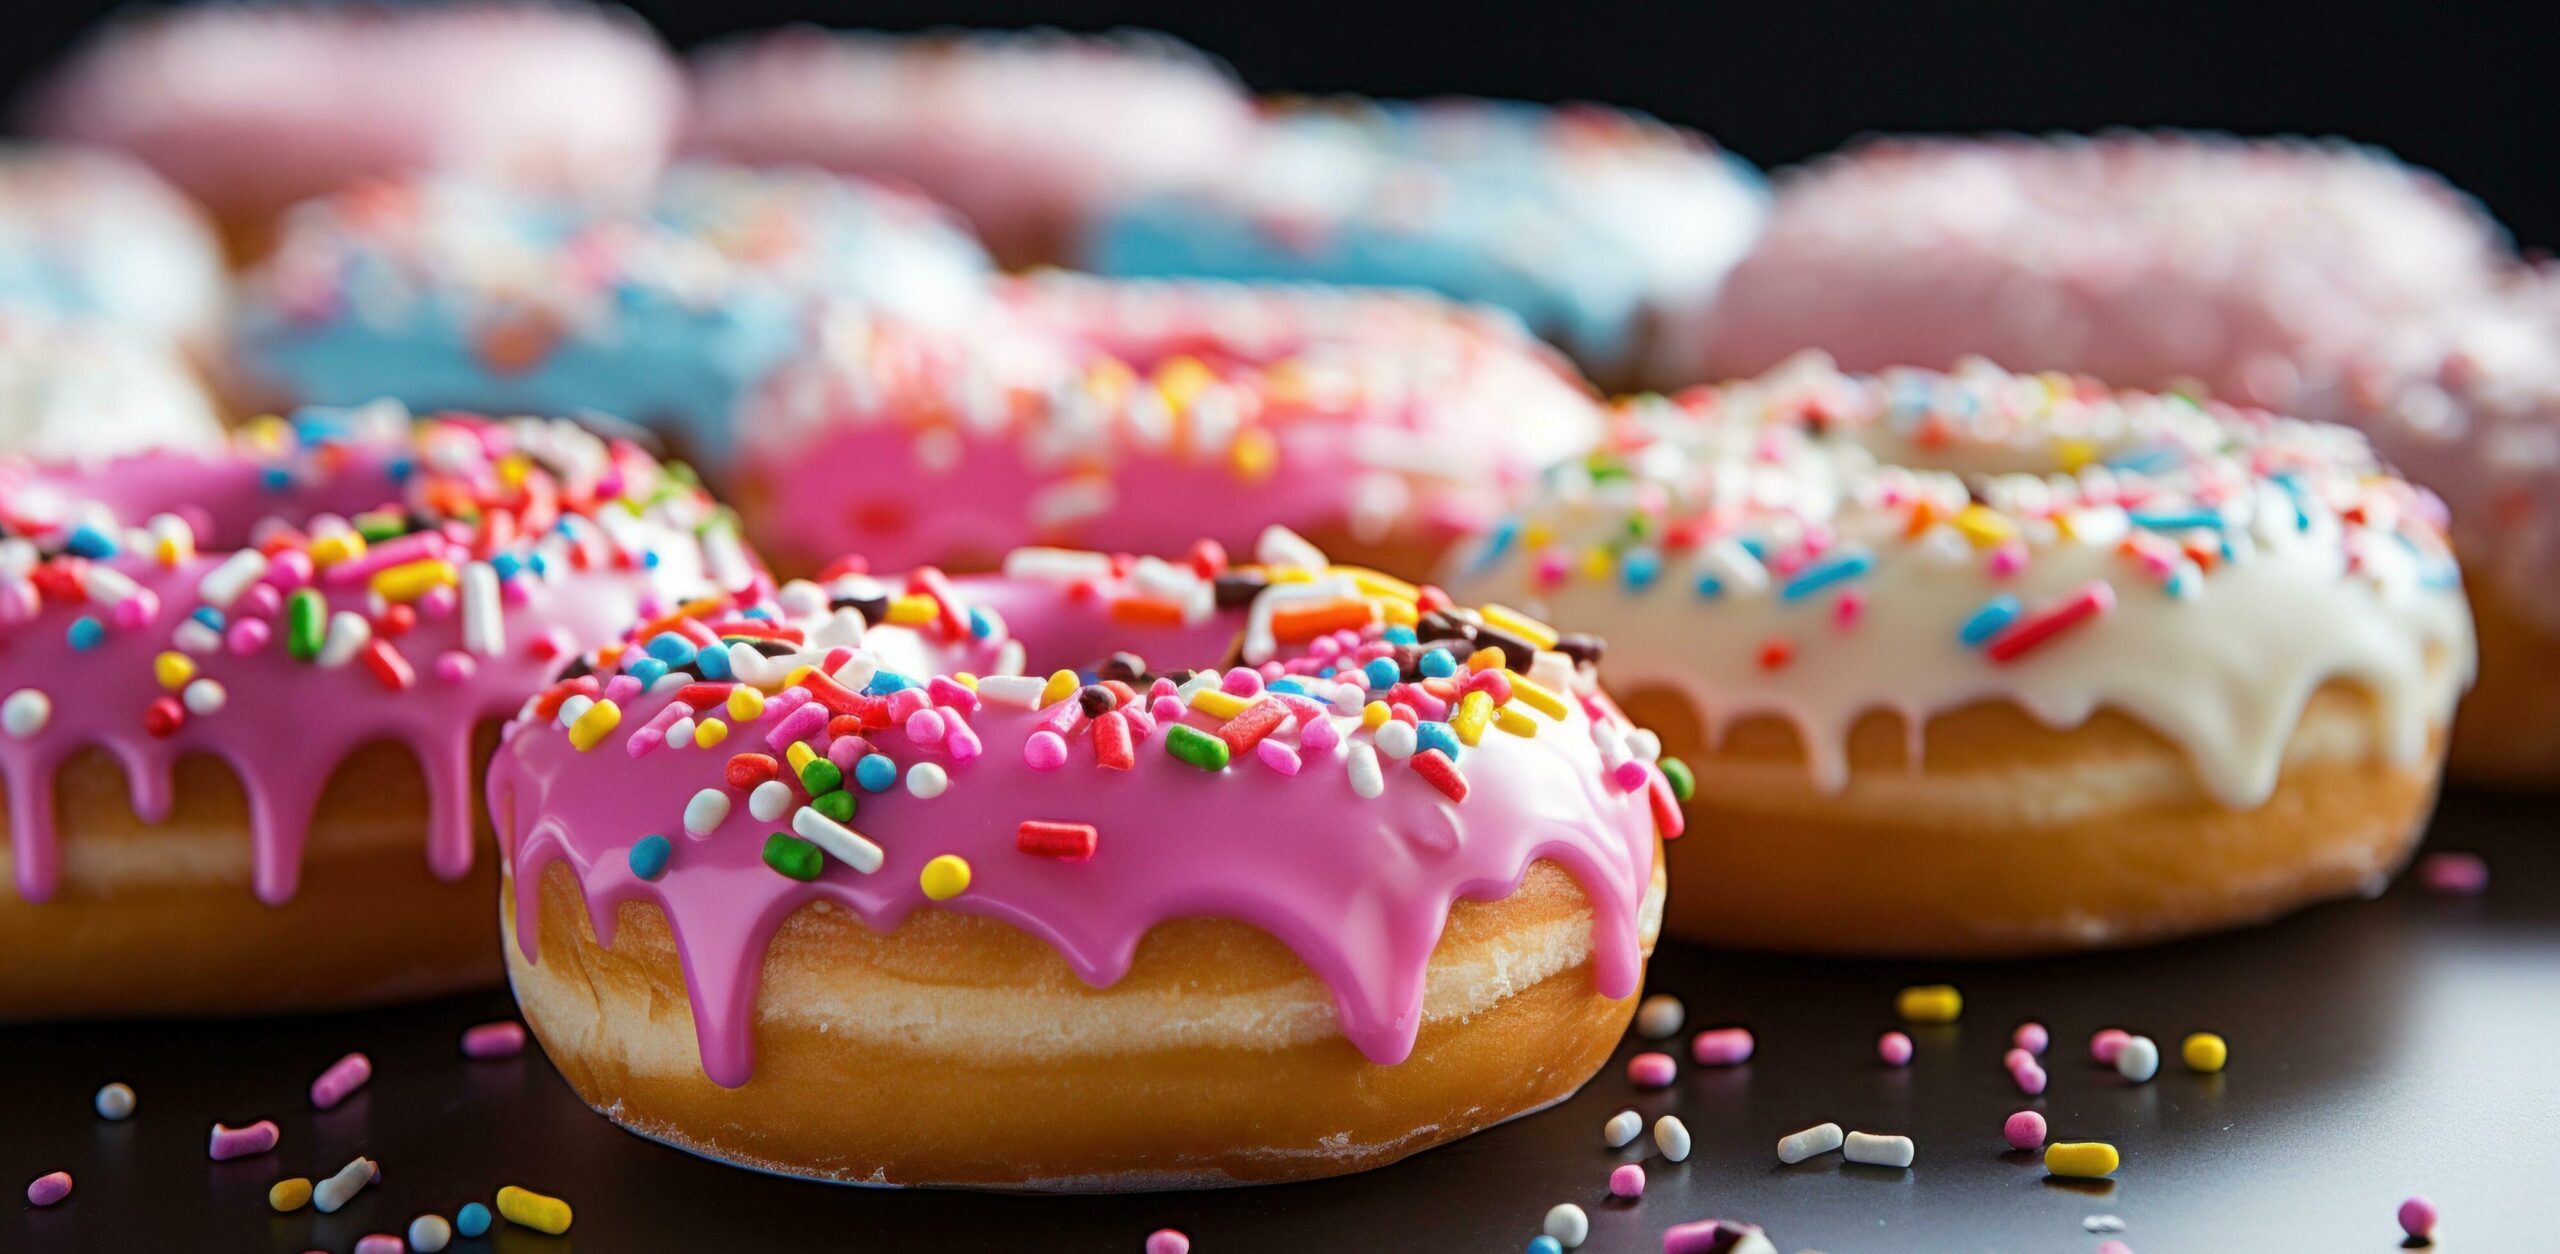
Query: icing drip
[(1358, 884), (1818, 547)]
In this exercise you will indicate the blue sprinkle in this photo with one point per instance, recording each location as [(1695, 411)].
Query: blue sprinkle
[(2176, 520), (1289, 684), (1400, 634), (1838, 567), (1544, 1244), (649, 560), (713, 663), (86, 632), (541, 565), (1439, 664), (209, 616), (875, 772), (1710, 587), (980, 626), (1639, 567), (670, 647), (1431, 735), (1497, 542), (649, 857), (647, 670), (506, 564), (88, 541), (400, 468), (2182, 582), (1995, 614), (1756, 547), (2144, 460), (764, 613), (275, 479), (885, 682), (472, 1220), (1381, 673)]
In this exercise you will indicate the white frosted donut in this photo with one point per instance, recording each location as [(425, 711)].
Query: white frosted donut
[(81, 391), (85, 233)]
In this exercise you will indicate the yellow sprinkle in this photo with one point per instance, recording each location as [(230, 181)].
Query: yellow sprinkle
[(1536, 535), (945, 877), (799, 755), (1218, 703), (328, 551), (289, 1195), (533, 1210), (1485, 659), (798, 673), (1929, 1003), (513, 468), (2205, 1053), (2087, 1160), (709, 732), (1181, 378), (1514, 722), (965, 680), (411, 580), (1254, 454), (173, 670), (1520, 625), (1061, 686), (174, 549), (915, 609), (1538, 696), (600, 718), (1287, 574), (1375, 715), (1984, 525), (1474, 710), (1378, 583), (1596, 562), (2076, 454), (1398, 613), (746, 705)]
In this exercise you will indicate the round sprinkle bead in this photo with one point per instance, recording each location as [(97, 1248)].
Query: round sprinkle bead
[(649, 857), (114, 1102), (1627, 1181), (2418, 1218), (2024, 1130), (945, 877), (471, 1221), (49, 1188), (1652, 1070), (1168, 1241), (1893, 1049), (1660, 1016), (2205, 1053), (1544, 1244), (289, 1195), (429, 1234), (2106, 1043), (2031, 1037), (2138, 1060), (2454, 874), (1568, 1224), (926, 781), (25, 713)]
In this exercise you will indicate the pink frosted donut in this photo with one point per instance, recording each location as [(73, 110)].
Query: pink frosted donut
[(1142, 415), (2253, 266), (251, 107), (1182, 910), (88, 234), (1026, 133), (238, 687)]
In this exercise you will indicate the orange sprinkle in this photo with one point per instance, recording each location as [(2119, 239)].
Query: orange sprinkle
[(1145, 610), (1302, 623)]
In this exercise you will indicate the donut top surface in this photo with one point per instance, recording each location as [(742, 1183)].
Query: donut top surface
[(78, 390), (1143, 415), (253, 106), (87, 234), (344, 578), (2142, 258), (1582, 219), (454, 292), (1820, 546), (1325, 753)]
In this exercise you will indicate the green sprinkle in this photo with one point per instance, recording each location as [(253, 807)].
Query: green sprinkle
[(305, 623), (1196, 747), (1684, 784), (835, 805), (821, 777), (793, 856)]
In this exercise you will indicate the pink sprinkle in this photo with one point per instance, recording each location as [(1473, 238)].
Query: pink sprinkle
[(844, 751), (904, 703), (288, 570), (1846, 611), (1166, 709), (621, 689), (962, 743), (1167, 1241), (803, 722), (380, 1243), (1141, 724), (1319, 735), (230, 1143), (2107, 1044), (1550, 568), (1492, 683), (1894, 1049), (1277, 756), (1241, 682), (53, 1186), (951, 692), (438, 602), (2008, 558), (262, 601), (2029, 1077), (342, 1078), (454, 666), (1706, 1236), (1652, 1070), (247, 636), (2031, 1037), (133, 612), (925, 727), (555, 643), (2017, 1057), (1627, 1181), (2454, 874), (2112, 1246), (2417, 1215), (2025, 1130), (503, 1039), (1629, 775), (1044, 750), (1721, 1047)]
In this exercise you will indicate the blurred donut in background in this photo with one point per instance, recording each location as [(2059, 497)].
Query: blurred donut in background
[(1142, 416), (82, 391), (252, 107), (1607, 231), (2151, 260), (88, 234), (1028, 134), (444, 292)]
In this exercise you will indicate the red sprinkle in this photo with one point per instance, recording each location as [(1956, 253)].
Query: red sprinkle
[(1776, 652), (1111, 742), (837, 698), (704, 696), (1433, 765), (2026, 634), (746, 770), (164, 717), (1074, 842), (1248, 729), (383, 659), (1666, 808)]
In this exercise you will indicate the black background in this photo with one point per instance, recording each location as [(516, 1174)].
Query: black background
[(2466, 90)]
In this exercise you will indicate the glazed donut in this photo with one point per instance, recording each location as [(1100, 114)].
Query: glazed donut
[(449, 293), (1983, 664), (1028, 134), (1138, 416), (2467, 402), (74, 390), (1607, 231), (2149, 260), (1158, 964), (239, 685), (87, 234), (251, 107)]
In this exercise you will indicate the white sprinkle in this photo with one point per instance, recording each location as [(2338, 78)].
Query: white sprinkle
[(108, 586), (2139, 1060), (224, 583), (769, 801), (1015, 692), (1279, 546), (680, 733), (1622, 1127), (1672, 1137), (1366, 777), (338, 1190), (1395, 739), (194, 638), (484, 614), (926, 781), (429, 1234), (2102, 1223), (115, 1102), (1878, 1151), (848, 845), (1646, 745), (705, 811), (1660, 1017), (205, 696), (1568, 1224), (801, 599), (25, 713), (572, 706), (1056, 565), (348, 632), (1821, 1138)]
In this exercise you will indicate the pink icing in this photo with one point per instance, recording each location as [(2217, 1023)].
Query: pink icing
[(1359, 888), (286, 725)]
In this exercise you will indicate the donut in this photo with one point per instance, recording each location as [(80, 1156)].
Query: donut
[(252, 107), (88, 234), (1986, 664), (2149, 260), (1138, 416), (444, 292), (1607, 231), (79, 391), (1176, 927), (2467, 402), (1028, 134), (236, 687)]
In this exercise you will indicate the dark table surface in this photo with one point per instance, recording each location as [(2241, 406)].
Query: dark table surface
[(2379, 1049)]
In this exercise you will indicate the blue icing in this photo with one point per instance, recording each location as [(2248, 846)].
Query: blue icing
[(684, 322), (1488, 201)]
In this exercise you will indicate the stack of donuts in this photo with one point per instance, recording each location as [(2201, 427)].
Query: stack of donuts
[(1007, 551)]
